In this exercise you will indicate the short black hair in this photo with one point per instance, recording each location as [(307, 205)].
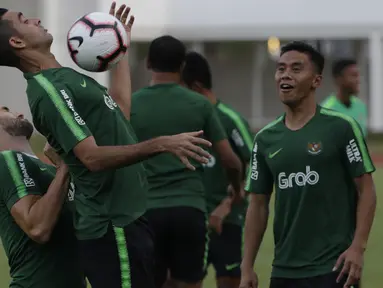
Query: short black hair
[(166, 54), (197, 69), (340, 65), (2, 12), (7, 56), (315, 56)]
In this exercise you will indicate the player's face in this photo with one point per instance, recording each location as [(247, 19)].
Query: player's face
[(30, 33), (14, 124), (295, 77), (350, 79)]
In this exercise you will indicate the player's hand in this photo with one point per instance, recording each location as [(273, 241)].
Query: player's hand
[(249, 279), (237, 197), (51, 154), (352, 260), (185, 146), (219, 214), (122, 15)]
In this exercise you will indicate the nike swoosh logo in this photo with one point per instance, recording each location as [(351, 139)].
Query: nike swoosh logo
[(43, 169), (83, 84), (271, 155), (231, 266), (79, 39)]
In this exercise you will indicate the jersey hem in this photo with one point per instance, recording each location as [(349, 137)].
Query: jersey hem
[(299, 273), (199, 204)]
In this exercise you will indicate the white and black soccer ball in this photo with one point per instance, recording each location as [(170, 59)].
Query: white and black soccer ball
[(97, 41)]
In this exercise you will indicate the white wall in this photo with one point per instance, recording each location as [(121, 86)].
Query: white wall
[(254, 19)]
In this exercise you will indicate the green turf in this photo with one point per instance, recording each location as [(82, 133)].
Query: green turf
[(372, 277)]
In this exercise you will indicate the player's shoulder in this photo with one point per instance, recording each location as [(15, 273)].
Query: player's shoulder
[(337, 119), (356, 100), (229, 113), (329, 101), (48, 81), (270, 128)]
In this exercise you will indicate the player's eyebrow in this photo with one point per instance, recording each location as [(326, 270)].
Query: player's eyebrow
[(4, 108)]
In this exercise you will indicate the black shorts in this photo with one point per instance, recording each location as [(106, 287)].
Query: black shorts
[(323, 281), (181, 242), (225, 251), (123, 257)]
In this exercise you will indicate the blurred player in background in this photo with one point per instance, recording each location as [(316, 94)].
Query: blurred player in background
[(36, 226), (345, 100), (93, 136), (177, 204), (324, 192), (226, 216)]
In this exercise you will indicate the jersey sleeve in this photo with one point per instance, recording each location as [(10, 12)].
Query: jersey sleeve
[(213, 129), (259, 178), (241, 136), (18, 180), (354, 150), (58, 117)]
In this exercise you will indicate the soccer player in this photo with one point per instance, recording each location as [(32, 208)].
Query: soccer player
[(36, 227), (89, 131), (226, 216), (177, 204), (324, 192), (345, 100)]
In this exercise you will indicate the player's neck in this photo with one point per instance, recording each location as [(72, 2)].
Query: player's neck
[(298, 116), (211, 96), (164, 78), (35, 61), (16, 143), (344, 97)]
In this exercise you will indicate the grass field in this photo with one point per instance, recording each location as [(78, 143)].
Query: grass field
[(373, 272)]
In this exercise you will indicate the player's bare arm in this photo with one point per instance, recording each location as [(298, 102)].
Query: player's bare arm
[(120, 87), (352, 258), (38, 215), (231, 163), (255, 226), (184, 146)]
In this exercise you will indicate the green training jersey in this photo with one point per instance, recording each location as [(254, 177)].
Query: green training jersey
[(215, 178), (356, 110), (68, 107), (313, 170), (168, 109), (33, 265)]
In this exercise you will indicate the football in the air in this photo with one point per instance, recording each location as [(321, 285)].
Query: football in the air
[(97, 41)]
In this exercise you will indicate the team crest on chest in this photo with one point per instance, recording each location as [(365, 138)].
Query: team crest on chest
[(314, 148), (109, 102)]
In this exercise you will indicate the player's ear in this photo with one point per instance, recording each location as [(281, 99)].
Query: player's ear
[(148, 65), (16, 42), (317, 81)]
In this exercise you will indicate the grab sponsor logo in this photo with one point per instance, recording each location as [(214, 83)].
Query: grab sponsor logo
[(298, 179)]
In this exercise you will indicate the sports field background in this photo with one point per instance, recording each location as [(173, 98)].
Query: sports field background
[(373, 271)]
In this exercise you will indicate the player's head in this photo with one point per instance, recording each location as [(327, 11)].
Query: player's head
[(14, 124), (346, 75), (19, 34), (166, 55), (299, 72), (196, 74)]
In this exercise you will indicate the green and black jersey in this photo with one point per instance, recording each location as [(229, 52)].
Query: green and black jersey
[(215, 178), (33, 265), (169, 109), (313, 170), (68, 107)]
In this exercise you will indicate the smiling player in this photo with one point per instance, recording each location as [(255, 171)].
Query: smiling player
[(324, 192)]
